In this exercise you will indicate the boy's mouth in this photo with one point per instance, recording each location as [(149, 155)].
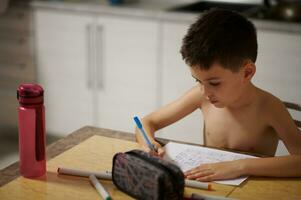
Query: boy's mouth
[(213, 101)]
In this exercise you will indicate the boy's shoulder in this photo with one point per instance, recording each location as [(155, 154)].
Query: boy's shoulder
[(195, 95), (269, 103)]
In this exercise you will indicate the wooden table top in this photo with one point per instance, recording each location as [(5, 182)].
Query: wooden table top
[(91, 148)]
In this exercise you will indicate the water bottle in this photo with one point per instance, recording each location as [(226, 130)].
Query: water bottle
[(32, 139)]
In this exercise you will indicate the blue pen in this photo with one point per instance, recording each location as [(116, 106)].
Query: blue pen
[(146, 139)]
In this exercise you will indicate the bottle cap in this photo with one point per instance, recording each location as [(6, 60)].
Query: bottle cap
[(30, 94)]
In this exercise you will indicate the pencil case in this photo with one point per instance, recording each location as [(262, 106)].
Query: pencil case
[(147, 177)]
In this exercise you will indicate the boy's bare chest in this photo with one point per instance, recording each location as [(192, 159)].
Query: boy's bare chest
[(244, 131)]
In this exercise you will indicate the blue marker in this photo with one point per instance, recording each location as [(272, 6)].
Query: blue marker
[(146, 139)]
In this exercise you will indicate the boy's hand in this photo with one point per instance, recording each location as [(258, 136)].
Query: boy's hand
[(160, 151), (215, 171)]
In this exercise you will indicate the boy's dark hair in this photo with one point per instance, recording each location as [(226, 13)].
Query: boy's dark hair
[(220, 36)]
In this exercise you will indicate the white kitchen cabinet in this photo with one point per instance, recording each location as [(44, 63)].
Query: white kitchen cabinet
[(102, 70), (279, 69), (62, 66), (278, 64), (128, 64), (96, 70), (176, 80)]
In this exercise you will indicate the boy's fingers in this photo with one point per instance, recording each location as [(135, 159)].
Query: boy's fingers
[(199, 174), (146, 149), (161, 151)]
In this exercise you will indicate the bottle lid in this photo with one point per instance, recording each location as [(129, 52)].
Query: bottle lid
[(30, 94)]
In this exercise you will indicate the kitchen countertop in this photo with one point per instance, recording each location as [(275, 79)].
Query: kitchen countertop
[(142, 8), (155, 9)]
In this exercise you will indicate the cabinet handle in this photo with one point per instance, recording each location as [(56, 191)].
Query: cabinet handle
[(90, 56), (99, 58)]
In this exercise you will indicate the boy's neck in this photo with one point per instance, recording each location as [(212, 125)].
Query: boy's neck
[(247, 98)]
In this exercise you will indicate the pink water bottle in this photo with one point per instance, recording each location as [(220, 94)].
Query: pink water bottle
[(31, 130)]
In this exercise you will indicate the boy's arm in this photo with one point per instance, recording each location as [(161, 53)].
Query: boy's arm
[(283, 166), (284, 126), (288, 132), (280, 166), (170, 113)]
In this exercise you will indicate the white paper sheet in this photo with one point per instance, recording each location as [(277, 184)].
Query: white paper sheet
[(190, 156)]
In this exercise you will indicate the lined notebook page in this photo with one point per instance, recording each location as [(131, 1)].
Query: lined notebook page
[(190, 156)]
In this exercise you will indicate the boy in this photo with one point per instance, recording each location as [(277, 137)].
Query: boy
[(221, 49)]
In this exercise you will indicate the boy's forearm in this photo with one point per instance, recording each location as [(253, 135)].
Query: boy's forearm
[(283, 166)]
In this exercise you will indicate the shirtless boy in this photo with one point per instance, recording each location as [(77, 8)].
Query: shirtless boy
[(221, 49)]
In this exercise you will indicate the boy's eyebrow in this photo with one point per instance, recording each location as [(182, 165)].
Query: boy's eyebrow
[(212, 78), (208, 79)]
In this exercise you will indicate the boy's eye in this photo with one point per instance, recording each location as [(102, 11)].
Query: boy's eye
[(214, 83)]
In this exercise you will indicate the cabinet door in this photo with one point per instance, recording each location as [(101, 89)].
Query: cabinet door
[(63, 69), (278, 64), (278, 68), (126, 70), (176, 81)]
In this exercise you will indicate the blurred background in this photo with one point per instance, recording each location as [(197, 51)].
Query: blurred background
[(101, 62)]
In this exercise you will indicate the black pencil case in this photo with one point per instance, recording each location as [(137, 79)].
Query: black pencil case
[(147, 177)]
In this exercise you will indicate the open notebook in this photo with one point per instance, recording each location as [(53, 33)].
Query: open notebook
[(190, 156)]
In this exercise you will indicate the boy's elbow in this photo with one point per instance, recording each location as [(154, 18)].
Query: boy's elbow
[(150, 123)]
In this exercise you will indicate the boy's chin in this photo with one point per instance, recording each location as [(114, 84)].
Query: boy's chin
[(218, 104)]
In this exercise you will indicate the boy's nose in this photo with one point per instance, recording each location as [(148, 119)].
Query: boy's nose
[(207, 92)]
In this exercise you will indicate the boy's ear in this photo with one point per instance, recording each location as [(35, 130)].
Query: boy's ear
[(249, 70)]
